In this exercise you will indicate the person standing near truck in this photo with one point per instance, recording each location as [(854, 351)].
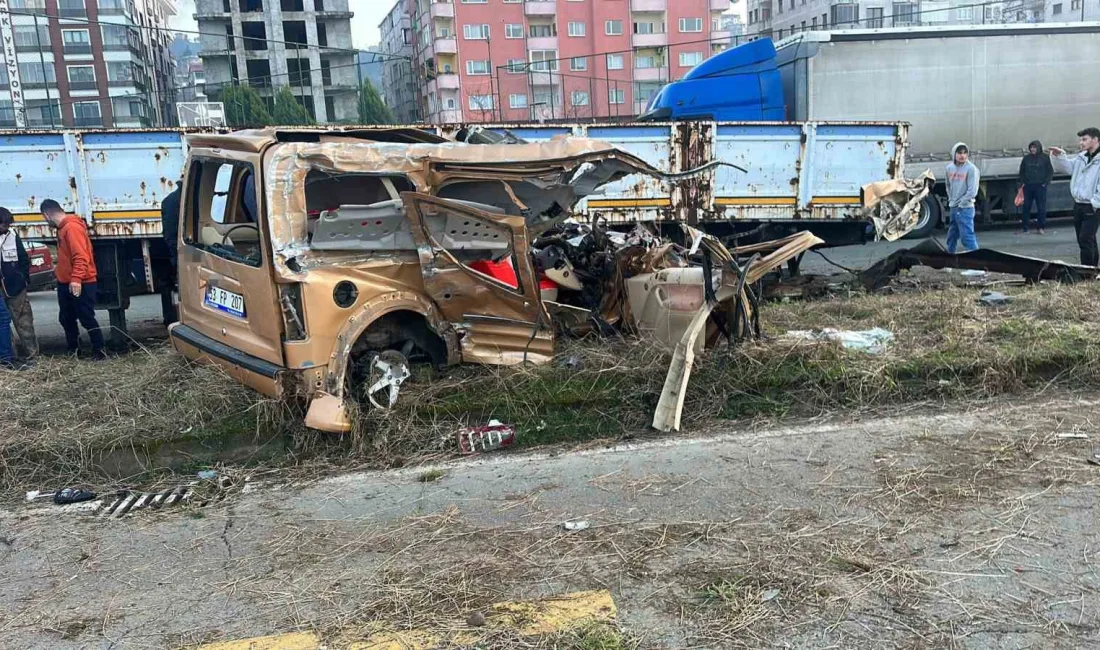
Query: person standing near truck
[(76, 278), (962, 188), (1084, 186), (15, 275), (1036, 172)]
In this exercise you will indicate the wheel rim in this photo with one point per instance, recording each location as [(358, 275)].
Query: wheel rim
[(388, 370), (925, 216)]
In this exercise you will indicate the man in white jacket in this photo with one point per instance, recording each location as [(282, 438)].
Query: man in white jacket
[(1084, 185)]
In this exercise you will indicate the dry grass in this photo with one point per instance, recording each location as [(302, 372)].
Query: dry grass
[(65, 422)]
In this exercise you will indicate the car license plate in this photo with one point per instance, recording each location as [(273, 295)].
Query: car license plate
[(225, 301)]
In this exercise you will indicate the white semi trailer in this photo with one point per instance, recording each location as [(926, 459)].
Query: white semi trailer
[(996, 88)]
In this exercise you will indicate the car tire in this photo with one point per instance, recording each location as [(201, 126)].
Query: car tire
[(930, 217)]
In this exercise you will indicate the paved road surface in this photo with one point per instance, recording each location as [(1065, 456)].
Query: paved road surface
[(145, 320)]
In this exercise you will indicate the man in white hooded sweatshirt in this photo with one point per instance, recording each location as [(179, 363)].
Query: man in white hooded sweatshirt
[(1084, 185), (962, 189)]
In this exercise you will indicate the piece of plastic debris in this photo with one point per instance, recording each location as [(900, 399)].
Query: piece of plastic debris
[(770, 594), (207, 474), (72, 495), (872, 341), (992, 298), (495, 435), (1094, 459), (577, 525), (972, 273), (1072, 436), (33, 495)]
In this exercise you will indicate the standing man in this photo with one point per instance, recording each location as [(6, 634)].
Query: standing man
[(15, 274), (1084, 185), (7, 356), (76, 278), (962, 189), (1036, 173)]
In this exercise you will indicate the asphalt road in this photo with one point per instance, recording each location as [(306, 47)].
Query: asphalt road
[(144, 317)]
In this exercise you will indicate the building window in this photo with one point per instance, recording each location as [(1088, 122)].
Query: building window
[(26, 38), (579, 98), (845, 14), (613, 27), (81, 77), (690, 59), (644, 91), (813, 23), (475, 32), (905, 13), (649, 28), (36, 73), (543, 31), (545, 98), (874, 18), (513, 31), (578, 63), (646, 62), (76, 41), (616, 96), (964, 14), (1075, 4), (614, 61), (576, 29), (477, 67), (544, 60), (120, 71), (517, 65), (450, 104), (517, 101), (71, 8), (688, 25), (474, 2), (481, 102), (87, 114)]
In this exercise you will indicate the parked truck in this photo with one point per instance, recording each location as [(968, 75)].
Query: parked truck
[(773, 178), (994, 87)]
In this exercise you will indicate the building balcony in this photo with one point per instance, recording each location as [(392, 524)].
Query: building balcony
[(538, 78), (542, 43), (83, 85), (214, 15), (333, 15), (72, 12), (719, 5), (540, 7), (648, 5), (88, 121), (649, 40), (78, 48), (448, 82), (651, 74), (720, 36), (445, 46), (442, 10)]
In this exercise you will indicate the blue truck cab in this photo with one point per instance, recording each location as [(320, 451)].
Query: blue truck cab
[(738, 85)]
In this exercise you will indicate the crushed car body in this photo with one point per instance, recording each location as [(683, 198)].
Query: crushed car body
[(323, 264)]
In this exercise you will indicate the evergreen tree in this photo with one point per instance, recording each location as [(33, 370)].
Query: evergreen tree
[(288, 112), (244, 107), (372, 108)]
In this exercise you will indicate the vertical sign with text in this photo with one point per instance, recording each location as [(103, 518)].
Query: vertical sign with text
[(11, 64)]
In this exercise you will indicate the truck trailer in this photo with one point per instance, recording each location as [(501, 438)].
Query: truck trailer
[(995, 87)]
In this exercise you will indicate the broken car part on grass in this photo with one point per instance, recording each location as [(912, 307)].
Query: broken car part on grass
[(326, 265), (931, 253)]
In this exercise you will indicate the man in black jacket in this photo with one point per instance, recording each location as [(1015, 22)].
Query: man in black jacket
[(15, 273), (1035, 174)]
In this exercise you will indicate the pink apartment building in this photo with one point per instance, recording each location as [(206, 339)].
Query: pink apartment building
[(519, 60)]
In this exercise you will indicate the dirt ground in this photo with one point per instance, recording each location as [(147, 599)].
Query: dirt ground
[(941, 526)]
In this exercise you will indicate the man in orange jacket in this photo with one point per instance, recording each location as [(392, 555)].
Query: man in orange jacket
[(76, 278)]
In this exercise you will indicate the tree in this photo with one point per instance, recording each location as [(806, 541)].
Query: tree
[(288, 112), (372, 109), (244, 107)]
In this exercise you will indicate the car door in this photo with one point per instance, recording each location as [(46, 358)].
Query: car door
[(477, 268), (227, 291)]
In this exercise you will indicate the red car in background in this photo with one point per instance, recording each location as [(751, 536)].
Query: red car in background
[(42, 277)]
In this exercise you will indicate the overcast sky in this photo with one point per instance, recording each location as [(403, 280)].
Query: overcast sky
[(364, 23)]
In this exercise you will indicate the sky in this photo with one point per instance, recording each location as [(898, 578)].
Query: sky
[(364, 23)]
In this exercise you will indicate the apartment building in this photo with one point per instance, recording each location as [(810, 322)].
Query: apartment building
[(86, 63), (516, 60), (267, 44), (399, 85)]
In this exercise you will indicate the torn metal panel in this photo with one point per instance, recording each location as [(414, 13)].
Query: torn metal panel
[(931, 253), (894, 206)]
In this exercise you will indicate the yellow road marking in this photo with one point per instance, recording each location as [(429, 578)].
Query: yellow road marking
[(292, 641)]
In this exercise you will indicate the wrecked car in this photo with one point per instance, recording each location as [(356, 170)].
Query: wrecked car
[(324, 264)]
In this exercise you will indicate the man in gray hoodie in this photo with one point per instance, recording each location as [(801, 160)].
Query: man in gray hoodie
[(1084, 186), (962, 188)]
